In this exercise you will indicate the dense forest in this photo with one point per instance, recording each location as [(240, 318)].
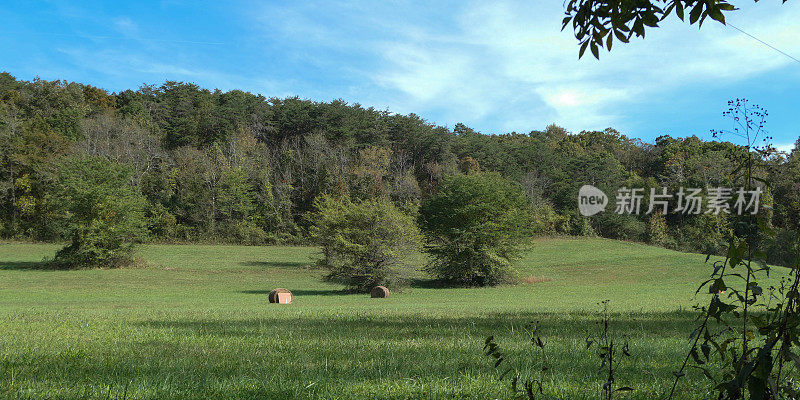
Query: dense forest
[(236, 167)]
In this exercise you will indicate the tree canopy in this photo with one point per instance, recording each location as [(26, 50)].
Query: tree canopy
[(474, 225), (101, 211), (362, 242)]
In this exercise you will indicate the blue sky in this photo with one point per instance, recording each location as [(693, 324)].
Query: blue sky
[(496, 66)]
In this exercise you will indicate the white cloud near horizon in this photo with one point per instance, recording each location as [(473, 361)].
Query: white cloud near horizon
[(785, 147)]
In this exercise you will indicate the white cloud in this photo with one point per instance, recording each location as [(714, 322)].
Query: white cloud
[(122, 63), (509, 56), (126, 26), (785, 147)]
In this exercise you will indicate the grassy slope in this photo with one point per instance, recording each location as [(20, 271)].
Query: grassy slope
[(196, 324)]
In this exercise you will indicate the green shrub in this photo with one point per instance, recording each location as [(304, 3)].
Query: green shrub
[(572, 223), (783, 248), (703, 233), (657, 233), (161, 223), (474, 226), (246, 232), (102, 211), (543, 219), (621, 226), (362, 242)]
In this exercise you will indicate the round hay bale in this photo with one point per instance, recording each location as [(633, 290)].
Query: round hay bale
[(273, 295), (379, 292)]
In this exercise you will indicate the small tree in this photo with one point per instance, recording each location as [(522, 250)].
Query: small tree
[(102, 211), (475, 225), (657, 231), (362, 242)]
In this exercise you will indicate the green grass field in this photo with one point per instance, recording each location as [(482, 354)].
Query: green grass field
[(196, 324)]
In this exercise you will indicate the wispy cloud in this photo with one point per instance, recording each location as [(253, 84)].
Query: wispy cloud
[(497, 66), (121, 63), (508, 58), (126, 26)]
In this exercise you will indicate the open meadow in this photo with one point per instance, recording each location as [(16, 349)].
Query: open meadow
[(195, 324)]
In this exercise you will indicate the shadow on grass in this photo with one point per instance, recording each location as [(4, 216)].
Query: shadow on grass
[(425, 284), (321, 292), (432, 283), (273, 264), (25, 265), (389, 326)]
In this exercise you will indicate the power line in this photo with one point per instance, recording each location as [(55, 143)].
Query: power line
[(765, 43)]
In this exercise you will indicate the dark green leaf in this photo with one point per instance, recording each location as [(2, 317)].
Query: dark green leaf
[(696, 11), (583, 49)]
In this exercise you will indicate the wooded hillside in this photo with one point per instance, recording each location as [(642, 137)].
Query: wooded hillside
[(237, 167)]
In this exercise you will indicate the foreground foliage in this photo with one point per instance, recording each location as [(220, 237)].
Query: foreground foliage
[(756, 348), (598, 23)]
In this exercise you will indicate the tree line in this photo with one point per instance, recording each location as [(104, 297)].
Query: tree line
[(235, 167)]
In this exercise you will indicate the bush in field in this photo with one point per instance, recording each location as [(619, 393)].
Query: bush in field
[(475, 225), (572, 223), (102, 211), (704, 233), (621, 226), (782, 249), (657, 233), (362, 242)]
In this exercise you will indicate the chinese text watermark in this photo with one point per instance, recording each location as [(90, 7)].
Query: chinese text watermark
[(712, 200)]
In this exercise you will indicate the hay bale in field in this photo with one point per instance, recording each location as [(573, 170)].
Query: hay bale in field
[(281, 296), (379, 292)]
